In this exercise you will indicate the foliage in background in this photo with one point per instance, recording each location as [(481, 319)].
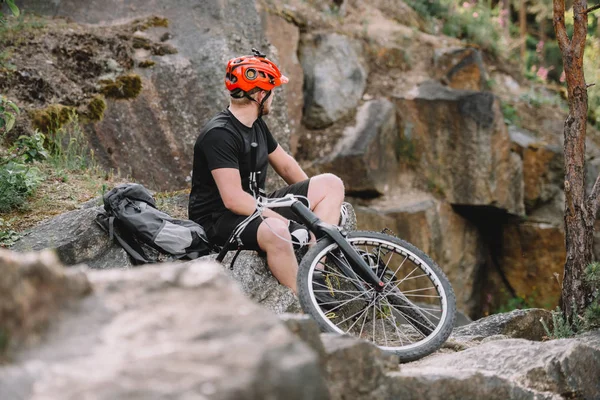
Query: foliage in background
[(8, 236), (8, 114), (17, 182), (587, 320), (13, 8), (68, 146)]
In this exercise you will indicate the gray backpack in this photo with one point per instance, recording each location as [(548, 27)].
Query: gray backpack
[(131, 217)]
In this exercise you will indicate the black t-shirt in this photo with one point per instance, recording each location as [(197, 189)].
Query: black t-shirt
[(224, 142)]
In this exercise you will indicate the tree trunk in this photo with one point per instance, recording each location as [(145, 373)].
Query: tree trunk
[(523, 28), (506, 18), (580, 212)]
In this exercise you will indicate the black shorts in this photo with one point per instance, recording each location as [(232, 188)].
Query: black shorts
[(221, 229)]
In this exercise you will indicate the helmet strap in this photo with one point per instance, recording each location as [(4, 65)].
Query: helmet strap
[(261, 104)]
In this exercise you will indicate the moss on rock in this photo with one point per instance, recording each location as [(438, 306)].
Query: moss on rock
[(146, 64), (124, 87), (52, 117), (95, 109)]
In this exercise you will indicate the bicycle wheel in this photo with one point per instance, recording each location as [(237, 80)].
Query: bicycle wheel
[(413, 315)]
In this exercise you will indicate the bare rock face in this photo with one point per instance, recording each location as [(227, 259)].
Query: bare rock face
[(152, 136), (519, 324), (365, 157), (450, 240), (33, 288), (335, 77), (462, 146), (512, 368), (533, 258), (175, 331), (77, 239), (460, 68), (543, 168)]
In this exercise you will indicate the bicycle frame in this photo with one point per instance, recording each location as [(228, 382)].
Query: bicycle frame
[(321, 229)]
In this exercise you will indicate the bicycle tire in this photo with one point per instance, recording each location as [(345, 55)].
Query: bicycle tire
[(389, 307)]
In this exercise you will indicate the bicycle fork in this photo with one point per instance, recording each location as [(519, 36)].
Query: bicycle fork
[(359, 266)]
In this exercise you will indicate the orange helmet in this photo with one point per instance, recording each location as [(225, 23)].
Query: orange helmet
[(248, 72)]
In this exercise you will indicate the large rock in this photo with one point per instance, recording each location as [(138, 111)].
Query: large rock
[(460, 68), (543, 168), (77, 238), (520, 324), (532, 259), (450, 240), (177, 331), (152, 136), (462, 146), (365, 157), (256, 280), (357, 369), (335, 77), (33, 288), (503, 369)]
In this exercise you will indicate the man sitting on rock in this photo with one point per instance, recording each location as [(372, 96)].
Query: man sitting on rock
[(221, 196)]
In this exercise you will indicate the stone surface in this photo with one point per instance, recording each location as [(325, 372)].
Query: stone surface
[(512, 368), (365, 156), (152, 136), (462, 146), (256, 281), (179, 331), (543, 169), (33, 288), (460, 68), (75, 235), (335, 77), (306, 329), (533, 257), (520, 324), (450, 240), (285, 37), (356, 369)]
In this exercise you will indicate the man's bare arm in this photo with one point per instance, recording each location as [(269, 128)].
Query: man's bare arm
[(235, 199), (286, 166)]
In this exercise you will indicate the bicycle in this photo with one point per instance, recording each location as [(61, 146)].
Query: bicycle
[(350, 283)]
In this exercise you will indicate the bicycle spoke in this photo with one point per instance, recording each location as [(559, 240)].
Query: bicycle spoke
[(358, 319), (353, 315), (382, 322), (408, 317), (395, 322), (418, 290), (363, 324), (423, 309), (348, 301)]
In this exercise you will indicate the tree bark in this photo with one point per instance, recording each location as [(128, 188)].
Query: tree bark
[(580, 212), (523, 28)]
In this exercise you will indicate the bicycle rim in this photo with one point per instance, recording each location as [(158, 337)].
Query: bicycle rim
[(417, 294)]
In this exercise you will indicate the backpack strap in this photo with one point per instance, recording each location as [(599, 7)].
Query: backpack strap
[(129, 244)]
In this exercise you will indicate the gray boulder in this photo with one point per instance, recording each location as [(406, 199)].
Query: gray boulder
[(33, 288), (460, 68), (177, 331), (523, 324), (335, 77), (356, 369), (511, 368), (365, 157), (77, 239)]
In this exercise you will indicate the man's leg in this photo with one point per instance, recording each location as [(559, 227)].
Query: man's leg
[(274, 238), (326, 195)]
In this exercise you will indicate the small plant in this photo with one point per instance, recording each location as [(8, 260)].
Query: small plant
[(8, 114), (561, 328), (510, 114), (17, 182), (8, 236), (69, 148), (13, 9), (30, 148)]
